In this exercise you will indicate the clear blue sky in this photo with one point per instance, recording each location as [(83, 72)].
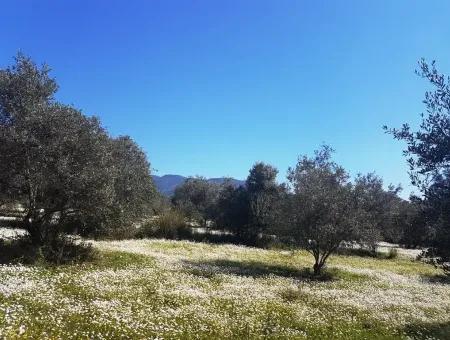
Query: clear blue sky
[(210, 87)]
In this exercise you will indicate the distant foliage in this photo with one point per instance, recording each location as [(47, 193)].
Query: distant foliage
[(262, 192), (197, 198), (169, 225), (232, 211), (382, 210), (250, 211)]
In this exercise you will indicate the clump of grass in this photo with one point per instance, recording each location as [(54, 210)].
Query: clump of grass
[(293, 294), (120, 260)]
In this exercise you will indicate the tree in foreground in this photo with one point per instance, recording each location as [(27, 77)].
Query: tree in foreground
[(321, 212), (61, 166), (428, 156)]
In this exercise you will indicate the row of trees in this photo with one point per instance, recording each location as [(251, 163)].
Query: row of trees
[(65, 174), (318, 209), (61, 168)]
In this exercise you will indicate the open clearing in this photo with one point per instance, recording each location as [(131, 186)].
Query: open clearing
[(184, 290)]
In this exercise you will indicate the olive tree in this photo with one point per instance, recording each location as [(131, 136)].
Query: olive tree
[(59, 165), (321, 212), (428, 156), (197, 197), (249, 211), (262, 192), (232, 209), (381, 207)]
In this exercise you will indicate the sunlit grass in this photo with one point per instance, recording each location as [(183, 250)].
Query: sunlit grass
[(185, 290)]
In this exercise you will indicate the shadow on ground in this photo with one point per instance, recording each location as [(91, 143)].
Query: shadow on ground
[(437, 278), (255, 269), (429, 331), (59, 251)]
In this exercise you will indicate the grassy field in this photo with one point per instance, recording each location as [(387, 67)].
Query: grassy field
[(184, 290)]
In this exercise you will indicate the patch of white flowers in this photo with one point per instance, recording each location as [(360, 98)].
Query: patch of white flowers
[(186, 293)]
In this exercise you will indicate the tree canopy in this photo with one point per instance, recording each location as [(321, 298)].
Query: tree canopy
[(61, 166), (428, 156)]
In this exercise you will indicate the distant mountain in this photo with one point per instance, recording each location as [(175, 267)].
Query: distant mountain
[(168, 183)]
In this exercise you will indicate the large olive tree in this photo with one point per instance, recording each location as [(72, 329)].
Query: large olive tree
[(428, 155), (60, 166)]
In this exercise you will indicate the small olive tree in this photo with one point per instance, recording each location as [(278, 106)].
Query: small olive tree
[(321, 211)]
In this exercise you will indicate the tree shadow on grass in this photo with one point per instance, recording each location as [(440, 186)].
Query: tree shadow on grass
[(18, 250), (428, 330), (255, 269), (437, 278), (60, 251)]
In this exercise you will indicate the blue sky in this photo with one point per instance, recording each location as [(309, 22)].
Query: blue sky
[(210, 87)]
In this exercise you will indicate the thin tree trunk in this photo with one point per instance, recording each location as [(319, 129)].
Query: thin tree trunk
[(317, 268)]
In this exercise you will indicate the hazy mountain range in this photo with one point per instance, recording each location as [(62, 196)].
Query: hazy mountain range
[(167, 184)]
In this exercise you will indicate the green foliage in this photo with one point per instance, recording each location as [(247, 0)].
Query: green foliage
[(321, 213), (262, 193), (197, 197), (57, 251), (392, 253), (61, 166), (428, 152), (249, 212), (232, 209), (381, 209)]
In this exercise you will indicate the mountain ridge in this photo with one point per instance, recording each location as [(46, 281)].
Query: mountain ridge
[(167, 184)]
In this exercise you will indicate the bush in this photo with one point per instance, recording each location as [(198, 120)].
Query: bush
[(170, 225), (66, 250), (122, 232), (392, 253)]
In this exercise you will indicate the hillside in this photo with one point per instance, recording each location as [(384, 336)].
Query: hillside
[(167, 184), (184, 290)]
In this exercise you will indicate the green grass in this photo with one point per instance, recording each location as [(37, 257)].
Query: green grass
[(185, 290)]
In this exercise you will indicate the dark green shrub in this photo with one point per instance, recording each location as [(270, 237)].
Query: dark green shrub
[(392, 253), (59, 250), (66, 250)]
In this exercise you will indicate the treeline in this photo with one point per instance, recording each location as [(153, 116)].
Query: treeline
[(318, 208)]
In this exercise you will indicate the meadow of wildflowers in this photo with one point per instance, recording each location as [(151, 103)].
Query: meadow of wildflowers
[(162, 289)]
